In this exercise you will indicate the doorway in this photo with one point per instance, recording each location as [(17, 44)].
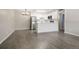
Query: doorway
[(61, 22)]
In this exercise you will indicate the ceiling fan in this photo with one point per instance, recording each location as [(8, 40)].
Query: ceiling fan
[(25, 12)]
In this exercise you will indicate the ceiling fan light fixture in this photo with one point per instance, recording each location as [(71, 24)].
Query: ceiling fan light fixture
[(25, 12)]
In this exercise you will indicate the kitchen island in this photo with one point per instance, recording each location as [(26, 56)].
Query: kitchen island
[(46, 26)]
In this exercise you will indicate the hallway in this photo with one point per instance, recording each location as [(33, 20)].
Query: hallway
[(25, 39)]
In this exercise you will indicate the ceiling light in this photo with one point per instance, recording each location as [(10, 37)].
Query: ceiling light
[(25, 12)]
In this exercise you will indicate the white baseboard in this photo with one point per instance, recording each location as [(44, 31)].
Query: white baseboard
[(72, 34), (22, 28), (6, 37)]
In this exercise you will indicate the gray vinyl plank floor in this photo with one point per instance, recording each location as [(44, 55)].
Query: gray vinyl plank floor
[(26, 39)]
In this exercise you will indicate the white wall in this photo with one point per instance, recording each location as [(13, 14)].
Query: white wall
[(6, 23), (21, 21), (72, 21)]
